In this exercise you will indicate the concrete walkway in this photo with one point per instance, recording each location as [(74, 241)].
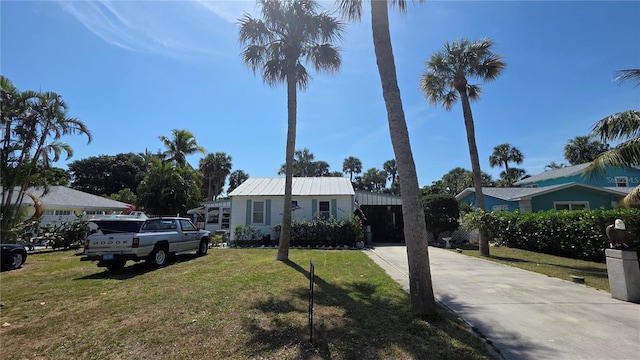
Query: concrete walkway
[(526, 315)]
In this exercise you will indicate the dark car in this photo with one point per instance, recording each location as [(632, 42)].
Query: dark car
[(13, 256)]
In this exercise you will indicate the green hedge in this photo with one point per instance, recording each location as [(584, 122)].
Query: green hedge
[(319, 232), (575, 234)]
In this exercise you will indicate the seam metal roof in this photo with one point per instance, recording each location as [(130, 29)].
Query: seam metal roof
[(64, 197), (301, 186)]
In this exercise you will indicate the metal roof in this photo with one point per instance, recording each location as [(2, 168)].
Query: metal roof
[(301, 186)]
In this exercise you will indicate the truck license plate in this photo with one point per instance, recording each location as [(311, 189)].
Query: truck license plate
[(107, 256)]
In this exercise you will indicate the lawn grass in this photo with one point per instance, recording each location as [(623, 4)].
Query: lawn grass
[(230, 304), (594, 273)]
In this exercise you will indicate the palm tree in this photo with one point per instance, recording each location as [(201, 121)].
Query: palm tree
[(352, 165), (583, 149), (235, 179), (214, 169), (391, 168), (182, 143), (32, 125), (554, 166), (415, 230), (446, 79), (504, 153), (289, 33), (624, 127)]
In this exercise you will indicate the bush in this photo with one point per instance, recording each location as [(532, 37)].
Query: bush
[(575, 234), (318, 232), (441, 213)]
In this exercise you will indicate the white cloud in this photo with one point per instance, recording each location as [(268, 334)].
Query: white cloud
[(169, 28)]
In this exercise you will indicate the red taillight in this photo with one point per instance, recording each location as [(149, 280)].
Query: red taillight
[(86, 244), (135, 243)]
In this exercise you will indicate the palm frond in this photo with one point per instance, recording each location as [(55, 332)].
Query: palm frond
[(474, 92), (351, 9), (629, 74), (622, 125), (632, 199), (624, 155)]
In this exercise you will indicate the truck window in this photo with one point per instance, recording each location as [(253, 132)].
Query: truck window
[(187, 225)]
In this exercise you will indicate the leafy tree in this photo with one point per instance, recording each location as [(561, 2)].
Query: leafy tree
[(181, 144), (583, 149), (441, 213), (214, 169), (458, 179), (33, 124), (503, 154), (335, 174), (125, 196), (305, 166), (436, 187), (374, 180), (52, 176), (351, 165), (321, 168), (415, 233), (446, 79), (107, 174), (288, 34), (168, 189), (235, 179), (624, 127)]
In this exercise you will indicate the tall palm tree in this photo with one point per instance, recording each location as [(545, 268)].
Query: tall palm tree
[(182, 143), (214, 169), (446, 79), (415, 230), (624, 127), (503, 154), (352, 165), (583, 149), (289, 34)]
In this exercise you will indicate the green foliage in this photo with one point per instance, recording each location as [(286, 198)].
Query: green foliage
[(575, 234), (246, 232), (125, 196), (441, 212), (168, 189), (107, 174), (332, 232)]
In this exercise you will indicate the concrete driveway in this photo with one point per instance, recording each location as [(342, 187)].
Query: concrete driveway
[(526, 315)]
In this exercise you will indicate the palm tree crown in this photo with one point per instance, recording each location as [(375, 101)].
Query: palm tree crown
[(352, 165), (182, 143), (503, 154)]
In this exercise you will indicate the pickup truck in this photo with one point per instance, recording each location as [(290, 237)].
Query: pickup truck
[(114, 241)]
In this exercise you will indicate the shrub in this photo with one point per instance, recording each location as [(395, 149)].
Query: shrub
[(318, 232), (576, 234), (441, 213)]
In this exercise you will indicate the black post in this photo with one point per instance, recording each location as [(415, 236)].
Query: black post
[(311, 280)]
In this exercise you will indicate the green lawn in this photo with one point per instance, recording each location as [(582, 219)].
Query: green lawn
[(594, 274), (230, 304)]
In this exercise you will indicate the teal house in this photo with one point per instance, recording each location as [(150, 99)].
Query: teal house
[(560, 189)]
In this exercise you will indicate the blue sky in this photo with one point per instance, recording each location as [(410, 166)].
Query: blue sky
[(134, 70)]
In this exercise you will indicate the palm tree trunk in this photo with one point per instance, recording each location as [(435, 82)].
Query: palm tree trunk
[(415, 230), (285, 231), (475, 164)]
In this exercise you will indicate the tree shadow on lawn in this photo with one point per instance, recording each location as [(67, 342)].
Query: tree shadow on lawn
[(372, 326), (138, 268)]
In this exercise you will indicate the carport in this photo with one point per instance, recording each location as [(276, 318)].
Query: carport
[(382, 215)]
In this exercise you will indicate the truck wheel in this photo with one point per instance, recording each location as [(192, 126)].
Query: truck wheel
[(204, 247), (116, 265), (158, 256)]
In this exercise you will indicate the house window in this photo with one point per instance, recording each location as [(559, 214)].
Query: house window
[(258, 212), (214, 215), (621, 181), (324, 210), (500, 208), (577, 205)]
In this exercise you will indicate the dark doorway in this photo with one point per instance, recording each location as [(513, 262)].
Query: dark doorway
[(386, 222)]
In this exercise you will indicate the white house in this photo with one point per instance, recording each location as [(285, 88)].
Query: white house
[(258, 202)]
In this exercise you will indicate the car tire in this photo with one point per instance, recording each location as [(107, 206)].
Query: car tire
[(16, 260), (116, 265), (158, 256), (204, 248)]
